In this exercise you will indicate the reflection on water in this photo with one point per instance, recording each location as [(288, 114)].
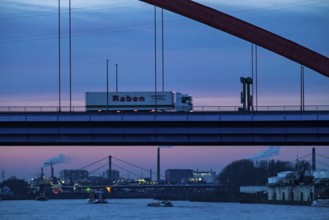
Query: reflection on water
[(138, 209)]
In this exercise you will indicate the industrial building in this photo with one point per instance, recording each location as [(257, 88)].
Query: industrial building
[(188, 175), (284, 187), (71, 177), (303, 186), (204, 176), (178, 175), (297, 186), (115, 175), (287, 187)]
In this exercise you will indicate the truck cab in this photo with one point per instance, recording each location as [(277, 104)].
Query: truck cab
[(183, 103)]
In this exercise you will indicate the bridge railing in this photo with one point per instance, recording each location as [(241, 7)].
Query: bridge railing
[(5, 109), (293, 108), (42, 109)]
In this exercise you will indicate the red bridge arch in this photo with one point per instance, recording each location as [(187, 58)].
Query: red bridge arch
[(247, 31)]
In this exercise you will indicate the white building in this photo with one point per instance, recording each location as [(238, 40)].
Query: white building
[(301, 193), (321, 174), (288, 186)]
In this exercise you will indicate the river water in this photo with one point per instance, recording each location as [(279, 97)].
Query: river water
[(137, 209)]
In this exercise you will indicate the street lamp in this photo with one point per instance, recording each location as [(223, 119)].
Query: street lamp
[(70, 55), (59, 55), (116, 67), (107, 84)]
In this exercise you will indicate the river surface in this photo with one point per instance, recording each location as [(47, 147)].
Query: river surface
[(137, 209)]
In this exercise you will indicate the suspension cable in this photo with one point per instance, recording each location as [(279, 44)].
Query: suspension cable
[(92, 163), (126, 170), (131, 164), (99, 168), (305, 156), (322, 156), (322, 163)]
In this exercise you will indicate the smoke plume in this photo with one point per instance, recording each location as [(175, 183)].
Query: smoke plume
[(266, 154), (61, 158)]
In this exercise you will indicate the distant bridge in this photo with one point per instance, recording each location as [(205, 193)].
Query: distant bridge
[(153, 186), (166, 128)]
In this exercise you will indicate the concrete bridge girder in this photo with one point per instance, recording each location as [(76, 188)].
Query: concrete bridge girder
[(165, 129)]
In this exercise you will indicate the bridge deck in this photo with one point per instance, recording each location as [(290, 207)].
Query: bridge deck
[(197, 128)]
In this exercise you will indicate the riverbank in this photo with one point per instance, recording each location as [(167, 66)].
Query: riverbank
[(194, 197)]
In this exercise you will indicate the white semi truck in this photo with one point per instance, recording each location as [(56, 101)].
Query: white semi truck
[(138, 101)]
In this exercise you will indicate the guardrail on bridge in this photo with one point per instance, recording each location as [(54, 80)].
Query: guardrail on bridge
[(6, 109)]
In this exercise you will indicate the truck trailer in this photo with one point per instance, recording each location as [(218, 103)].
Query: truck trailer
[(138, 101)]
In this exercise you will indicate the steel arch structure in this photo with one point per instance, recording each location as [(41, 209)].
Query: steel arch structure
[(247, 31)]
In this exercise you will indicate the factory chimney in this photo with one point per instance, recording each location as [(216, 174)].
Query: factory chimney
[(313, 159), (158, 165), (52, 170), (110, 170)]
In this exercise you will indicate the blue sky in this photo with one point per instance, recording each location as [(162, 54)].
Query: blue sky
[(199, 60)]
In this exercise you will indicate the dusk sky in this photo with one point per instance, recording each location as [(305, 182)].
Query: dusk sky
[(199, 60)]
